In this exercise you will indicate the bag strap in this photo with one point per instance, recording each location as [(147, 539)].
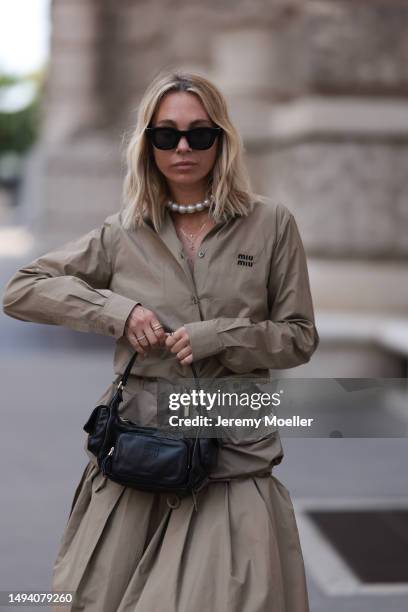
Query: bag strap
[(122, 380)]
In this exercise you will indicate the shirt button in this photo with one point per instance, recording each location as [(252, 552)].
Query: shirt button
[(194, 299), (182, 255), (201, 253)]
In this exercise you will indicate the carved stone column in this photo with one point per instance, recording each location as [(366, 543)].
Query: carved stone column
[(75, 101)]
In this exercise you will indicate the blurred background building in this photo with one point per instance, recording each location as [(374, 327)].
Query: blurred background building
[(319, 91)]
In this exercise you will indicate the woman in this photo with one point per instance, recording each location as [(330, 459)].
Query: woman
[(230, 277)]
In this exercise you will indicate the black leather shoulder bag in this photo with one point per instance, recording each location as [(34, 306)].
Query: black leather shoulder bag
[(144, 457)]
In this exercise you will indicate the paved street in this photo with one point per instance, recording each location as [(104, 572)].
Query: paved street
[(42, 455)]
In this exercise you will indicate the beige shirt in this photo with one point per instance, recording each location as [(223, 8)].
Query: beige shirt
[(247, 307)]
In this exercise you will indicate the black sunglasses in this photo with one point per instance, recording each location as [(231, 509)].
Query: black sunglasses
[(166, 138)]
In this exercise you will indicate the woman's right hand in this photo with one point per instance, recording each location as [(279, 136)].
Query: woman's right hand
[(143, 330)]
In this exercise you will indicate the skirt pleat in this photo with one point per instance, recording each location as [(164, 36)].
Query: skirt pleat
[(125, 550)]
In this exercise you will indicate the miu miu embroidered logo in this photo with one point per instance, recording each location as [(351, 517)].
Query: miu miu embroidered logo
[(245, 260)]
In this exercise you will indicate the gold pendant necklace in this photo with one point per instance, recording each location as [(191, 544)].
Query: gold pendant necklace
[(193, 237)]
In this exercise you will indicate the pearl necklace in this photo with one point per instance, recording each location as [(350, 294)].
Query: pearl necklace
[(190, 208)]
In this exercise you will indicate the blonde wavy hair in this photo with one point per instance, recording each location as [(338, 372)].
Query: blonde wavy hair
[(145, 189)]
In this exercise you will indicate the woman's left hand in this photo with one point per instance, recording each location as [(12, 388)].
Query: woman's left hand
[(179, 342)]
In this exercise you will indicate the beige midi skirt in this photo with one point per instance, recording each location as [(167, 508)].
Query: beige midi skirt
[(236, 549)]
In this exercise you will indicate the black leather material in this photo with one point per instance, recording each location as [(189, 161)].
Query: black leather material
[(144, 457), (95, 427)]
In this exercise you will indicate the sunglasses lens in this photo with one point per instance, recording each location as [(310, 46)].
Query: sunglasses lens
[(164, 138), (202, 138), (198, 138)]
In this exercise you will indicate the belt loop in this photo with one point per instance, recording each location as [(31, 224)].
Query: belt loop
[(176, 503)]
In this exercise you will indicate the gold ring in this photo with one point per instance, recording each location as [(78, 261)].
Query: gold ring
[(140, 338)]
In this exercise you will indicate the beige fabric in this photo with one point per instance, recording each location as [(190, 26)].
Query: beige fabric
[(124, 549)]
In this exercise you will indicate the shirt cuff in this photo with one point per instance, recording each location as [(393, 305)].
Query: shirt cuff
[(204, 339), (115, 313)]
